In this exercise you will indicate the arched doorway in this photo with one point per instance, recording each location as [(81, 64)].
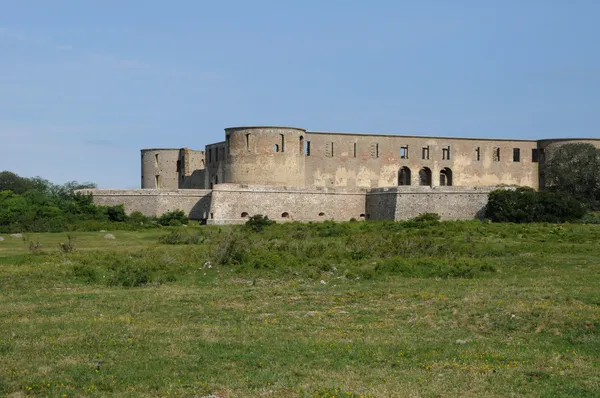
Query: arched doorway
[(446, 177), (404, 176), (425, 176)]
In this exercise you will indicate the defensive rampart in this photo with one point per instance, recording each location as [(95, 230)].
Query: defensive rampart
[(155, 202), (451, 203)]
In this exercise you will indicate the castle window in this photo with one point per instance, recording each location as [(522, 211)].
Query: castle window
[(285, 215), (425, 153), (158, 182), (307, 148), (496, 154), (478, 154), (446, 177), (301, 146), (446, 153), (276, 148), (178, 167), (404, 152), (535, 155), (354, 149), (244, 215), (374, 151), (282, 143), (404, 176), (329, 149), (248, 141), (156, 160), (516, 154), (425, 176), (321, 214)]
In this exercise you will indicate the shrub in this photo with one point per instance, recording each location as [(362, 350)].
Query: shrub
[(173, 218), (137, 217), (258, 222), (525, 205), (116, 213), (427, 218)]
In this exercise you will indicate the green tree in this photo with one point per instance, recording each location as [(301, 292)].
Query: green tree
[(574, 170)]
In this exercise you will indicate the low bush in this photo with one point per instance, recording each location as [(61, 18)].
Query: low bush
[(173, 218), (258, 222)]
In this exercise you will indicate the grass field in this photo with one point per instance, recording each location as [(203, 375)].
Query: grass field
[(359, 309)]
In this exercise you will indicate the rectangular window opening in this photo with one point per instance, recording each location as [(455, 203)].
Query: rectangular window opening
[(478, 153), (516, 154), (535, 155), (404, 152), (446, 153), (496, 154), (307, 148), (179, 166), (355, 149), (282, 142), (156, 160), (425, 153), (248, 141), (158, 182), (376, 150)]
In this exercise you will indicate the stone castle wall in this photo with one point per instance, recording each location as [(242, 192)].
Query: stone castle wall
[(155, 202), (451, 203), (233, 203)]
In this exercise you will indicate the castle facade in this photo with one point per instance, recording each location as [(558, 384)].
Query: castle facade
[(289, 173)]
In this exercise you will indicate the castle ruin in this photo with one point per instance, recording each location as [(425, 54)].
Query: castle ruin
[(291, 174)]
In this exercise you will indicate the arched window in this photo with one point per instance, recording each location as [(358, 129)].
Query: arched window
[(404, 176), (285, 215), (276, 148), (301, 147), (244, 215), (425, 176), (321, 214), (446, 177)]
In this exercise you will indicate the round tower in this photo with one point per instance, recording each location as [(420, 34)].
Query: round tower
[(547, 147), (265, 155), (160, 168)]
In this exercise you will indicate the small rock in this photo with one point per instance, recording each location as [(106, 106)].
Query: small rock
[(17, 235), (109, 236), (102, 230), (323, 282), (1, 239), (461, 342)]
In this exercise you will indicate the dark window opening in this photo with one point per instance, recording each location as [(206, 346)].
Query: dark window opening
[(212, 215), (301, 146), (248, 141), (404, 152), (307, 148), (446, 153), (425, 176), (276, 148), (156, 160), (355, 149), (446, 177), (282, 143), (496, 154), (425, 153), (535, 155), (404, 176), (329, 149), (362, 216), (245, 215), (285, 215), (321, 214), (516, 154), (178, 167), (478, 154)]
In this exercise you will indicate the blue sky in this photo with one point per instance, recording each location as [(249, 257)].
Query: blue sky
[(84, 85)]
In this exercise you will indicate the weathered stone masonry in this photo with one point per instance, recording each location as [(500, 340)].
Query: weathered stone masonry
[(289, 174)]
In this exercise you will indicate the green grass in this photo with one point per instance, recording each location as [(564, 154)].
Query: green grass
[(346, 310)]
